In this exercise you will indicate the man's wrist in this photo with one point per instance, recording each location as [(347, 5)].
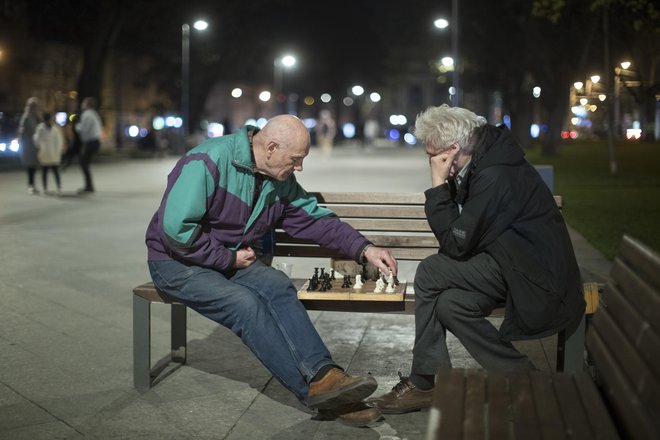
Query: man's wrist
[(364, 251)]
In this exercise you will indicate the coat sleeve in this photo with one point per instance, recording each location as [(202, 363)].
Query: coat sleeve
[(182, 211), (486, 214)]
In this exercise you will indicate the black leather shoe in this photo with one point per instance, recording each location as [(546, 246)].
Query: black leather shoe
[(405, 397)]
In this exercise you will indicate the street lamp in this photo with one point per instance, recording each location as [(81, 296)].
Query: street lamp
[(442, 23), (199, 25), (279, 64)]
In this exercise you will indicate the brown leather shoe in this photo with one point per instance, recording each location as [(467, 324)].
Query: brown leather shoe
[(405, 397), (352, 414), (338, 388)]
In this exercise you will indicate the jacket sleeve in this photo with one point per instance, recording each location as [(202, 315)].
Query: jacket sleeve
[(182, 212), (304, 218), (486, 213), (38, 135)]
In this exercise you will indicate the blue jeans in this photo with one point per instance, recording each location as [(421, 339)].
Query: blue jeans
[(260, 305)]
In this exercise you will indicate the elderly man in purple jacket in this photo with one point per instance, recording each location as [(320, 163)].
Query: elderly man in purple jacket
[(221, 198)]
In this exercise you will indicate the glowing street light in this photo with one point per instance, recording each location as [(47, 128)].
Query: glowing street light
[(441, 23), (357, 90), (199, 25), (279, 65)]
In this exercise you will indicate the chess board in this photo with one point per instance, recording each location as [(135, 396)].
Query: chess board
[(366, 293)]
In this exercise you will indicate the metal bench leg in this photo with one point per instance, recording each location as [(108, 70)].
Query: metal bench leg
[(141, 343), (179, 342), (570, 349)]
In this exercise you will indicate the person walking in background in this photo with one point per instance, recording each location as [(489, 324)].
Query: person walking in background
[(89, 128), (26, 128), (326, 129), (73, 142), (49, 142)]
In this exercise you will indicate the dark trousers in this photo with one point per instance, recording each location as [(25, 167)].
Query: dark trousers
[(44, 175), (31, 171), (89, 149), (458, 296)]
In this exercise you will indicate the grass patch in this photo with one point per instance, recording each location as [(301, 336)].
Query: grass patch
[(602, 206)]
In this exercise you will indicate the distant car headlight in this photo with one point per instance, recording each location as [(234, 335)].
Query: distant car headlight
[(14, 146)]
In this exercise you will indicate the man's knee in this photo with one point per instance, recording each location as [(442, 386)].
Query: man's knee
[(453, 304), (429, 277)]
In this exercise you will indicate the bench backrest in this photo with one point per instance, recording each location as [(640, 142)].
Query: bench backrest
[(624, 340), (393, 220)]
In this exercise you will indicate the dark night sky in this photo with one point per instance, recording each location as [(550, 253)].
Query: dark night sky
[(336, 42)]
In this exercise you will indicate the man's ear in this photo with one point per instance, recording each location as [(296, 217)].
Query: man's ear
[(271, 146)]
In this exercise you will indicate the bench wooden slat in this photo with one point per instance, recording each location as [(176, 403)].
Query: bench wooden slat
[(547, 408), (475, 403), (414, 241), (645, 300), (389, 225), (450, 399), (499, 404), (149, 292), (525, 421), (319, 252), (626, 354), (377, 211), (645, 261), (636, 328), (381, 198), (572, 407), (621, 396), (597, 415)]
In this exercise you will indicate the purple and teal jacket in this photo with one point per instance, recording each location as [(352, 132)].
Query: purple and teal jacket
[(208, 210)]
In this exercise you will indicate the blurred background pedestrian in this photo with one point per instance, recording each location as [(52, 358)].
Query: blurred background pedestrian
[(326, 129), (26, 128), (89, 129), (49, 143), (72, 142)]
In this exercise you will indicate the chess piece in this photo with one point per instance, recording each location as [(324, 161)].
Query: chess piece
[(390, 283), (358, 282), (380, 285)]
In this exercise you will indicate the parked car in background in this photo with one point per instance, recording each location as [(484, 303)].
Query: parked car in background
[(10, 155), (9, 133)]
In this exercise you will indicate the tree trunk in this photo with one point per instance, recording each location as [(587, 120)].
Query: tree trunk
[(556, 115)]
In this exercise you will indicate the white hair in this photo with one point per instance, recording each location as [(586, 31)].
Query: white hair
[(443, 126)]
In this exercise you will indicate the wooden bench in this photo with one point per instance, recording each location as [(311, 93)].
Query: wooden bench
[(393, 220), (622, 402)]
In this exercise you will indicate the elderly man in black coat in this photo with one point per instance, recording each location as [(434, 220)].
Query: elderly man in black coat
[(502, 241)]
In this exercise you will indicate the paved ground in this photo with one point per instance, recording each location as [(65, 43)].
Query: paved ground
[(66, 273)]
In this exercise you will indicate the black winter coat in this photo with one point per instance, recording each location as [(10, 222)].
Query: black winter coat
[(509, 212)]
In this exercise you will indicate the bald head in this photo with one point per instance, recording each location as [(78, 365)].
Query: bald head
[(286, 130), (280, 147)]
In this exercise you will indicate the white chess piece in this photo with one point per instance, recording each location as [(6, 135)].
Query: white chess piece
[(358, 282), (390, 286), (380, 285)]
